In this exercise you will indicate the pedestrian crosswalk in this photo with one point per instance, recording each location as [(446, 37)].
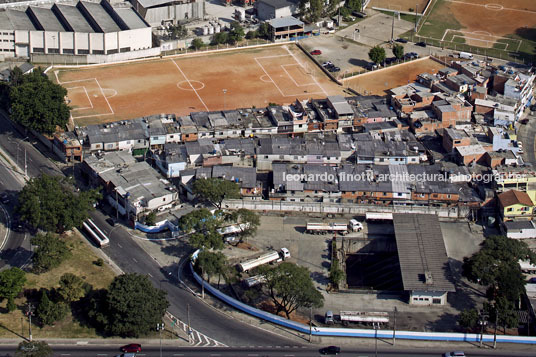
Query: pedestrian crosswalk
[(195, 337)]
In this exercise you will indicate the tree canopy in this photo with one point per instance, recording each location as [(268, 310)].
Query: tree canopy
[(248, 220), (50, 253), (197, 43), (215, 190), (353, 5), (290, 287), (38, 103), (377, 54), (11, 283), (237, 32), (49, 203), (211, 263), (131, 307), (398, 51), (72, 287), (49, 312), (33, 349)]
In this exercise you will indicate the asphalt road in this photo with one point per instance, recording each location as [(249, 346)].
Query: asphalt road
[(93, 350), (131, 258)]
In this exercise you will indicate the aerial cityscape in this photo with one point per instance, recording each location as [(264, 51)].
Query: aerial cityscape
[(267, 178)]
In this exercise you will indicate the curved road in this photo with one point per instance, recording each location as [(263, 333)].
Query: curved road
[(131, 258)]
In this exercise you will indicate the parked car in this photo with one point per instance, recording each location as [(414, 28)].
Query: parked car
[(390, 60), (316, 52), (327, 63), (131, 348), (110, 221), (4, 198), (454, 354), (401, 40), (421, 44), (334, 69), (330, 350), (372, 66)]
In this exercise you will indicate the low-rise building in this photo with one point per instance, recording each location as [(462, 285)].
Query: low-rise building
[(285, 28), (515, 205)]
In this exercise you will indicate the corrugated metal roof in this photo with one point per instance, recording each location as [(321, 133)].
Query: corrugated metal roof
[(422, 253)]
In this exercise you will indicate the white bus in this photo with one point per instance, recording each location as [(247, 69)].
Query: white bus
[(96, 234)]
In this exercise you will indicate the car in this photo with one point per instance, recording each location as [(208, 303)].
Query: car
[(401, 40), (372, 66), (334, 69), (327, 63), (519, 144), (330, 350), (4, 198), (316, 52), (421, 44), (131, 348), (454, 354), (110, 221), (390, 60)]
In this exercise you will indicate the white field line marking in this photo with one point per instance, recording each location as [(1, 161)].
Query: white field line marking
[(88, 98), (102, 92), (275, 84), (504, 8), (292, 78), (301, 64), (198, 96), (272, 56)]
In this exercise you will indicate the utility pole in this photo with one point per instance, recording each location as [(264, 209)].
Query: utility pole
[(495, 333), (482, 321), (224, 92), (25, 165), (375, 339), (159, 328), (188, 318), (339, 18), (416, 7), (393, 28), (116, 206), (30, 313), (310, 323), (394, 329)]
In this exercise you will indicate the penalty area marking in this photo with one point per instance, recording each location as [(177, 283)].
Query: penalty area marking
[(87, 95), (265, 79)]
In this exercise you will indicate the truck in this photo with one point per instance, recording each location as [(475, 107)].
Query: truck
[(466, 55), (341, 228), (254, 280), (266, 258), (379, 216), (233, 229), (366, 317)]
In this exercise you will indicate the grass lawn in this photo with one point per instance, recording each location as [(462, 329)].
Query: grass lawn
[(437, 21), (80, 263)]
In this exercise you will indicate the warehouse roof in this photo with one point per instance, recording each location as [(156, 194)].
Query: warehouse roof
[(15, 20), (422, 253), (44, 19), (73, 18), (131, 18), (101, 17), (151, 3)]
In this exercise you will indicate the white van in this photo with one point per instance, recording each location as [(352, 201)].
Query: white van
[(466, 55)]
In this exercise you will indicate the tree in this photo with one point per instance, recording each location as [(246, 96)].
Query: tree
[(247, 220), (468, 318), (150, 219), (336, 274), (377, 54), (197, 43), (49, 312), (290, 287), (177, 32), (317, 6), (207, 240), (237, 32), (251, 35), (33, 349), (72, 288), (200, 220), (131, 307), (39, 104), (49, 203), (220, 38), (398, 51), (11, 283), (353, 5), (215, 190), (264, 31), (15, 76), (211, 263), (50, 253)]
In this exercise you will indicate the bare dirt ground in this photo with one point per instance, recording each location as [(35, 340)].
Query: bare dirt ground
[(180, 85), (378, 82)]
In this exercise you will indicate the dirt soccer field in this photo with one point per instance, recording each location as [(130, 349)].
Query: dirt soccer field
[(377, 82), (180, 85), (501, 24), (400, 5)]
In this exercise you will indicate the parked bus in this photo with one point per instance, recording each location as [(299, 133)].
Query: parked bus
[(96, 234)]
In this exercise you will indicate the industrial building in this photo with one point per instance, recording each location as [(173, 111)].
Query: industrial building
[(423, 258), (86, 28), (162, 12)]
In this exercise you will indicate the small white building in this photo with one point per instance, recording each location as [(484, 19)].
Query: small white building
[(520, 229)]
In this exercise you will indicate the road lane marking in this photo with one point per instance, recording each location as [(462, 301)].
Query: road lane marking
[(149, 275), (135, 261), (119, 245)]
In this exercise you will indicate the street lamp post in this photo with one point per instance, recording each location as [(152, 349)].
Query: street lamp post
[(375, 339), (159, 328), (224, 92), (30, 313), (482, 322)]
